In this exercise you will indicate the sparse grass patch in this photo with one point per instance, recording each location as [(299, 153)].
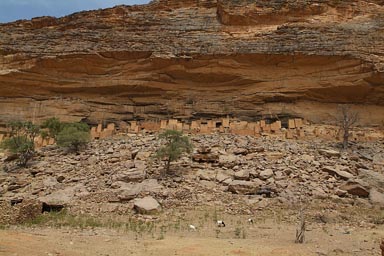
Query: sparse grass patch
[(378, 218), (64, 219), (237, 232)]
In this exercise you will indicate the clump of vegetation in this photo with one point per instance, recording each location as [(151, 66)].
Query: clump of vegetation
[(175, 144), (22, 135), (73, 136), (53, 126), (21, 141)]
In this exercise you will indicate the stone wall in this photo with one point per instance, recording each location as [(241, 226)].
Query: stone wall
[(296, 128), (39, 141)]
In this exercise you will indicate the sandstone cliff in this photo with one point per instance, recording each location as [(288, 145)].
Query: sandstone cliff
[(193, 58)]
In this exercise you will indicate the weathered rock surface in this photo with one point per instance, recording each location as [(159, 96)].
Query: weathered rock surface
[(266, 174), (355, 188), (59, 198), (372, 177), (134, 174), (338, 173), (243, 187), (147, 205), (376, 197), (329, 152), (16, 214), (132, 190), (248, 56)]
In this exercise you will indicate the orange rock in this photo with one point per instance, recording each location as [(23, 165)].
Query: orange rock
[(239, 57)]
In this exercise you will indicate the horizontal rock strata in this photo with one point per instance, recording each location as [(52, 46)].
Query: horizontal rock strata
[(192, 59)]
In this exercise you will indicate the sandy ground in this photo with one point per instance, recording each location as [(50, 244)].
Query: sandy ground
[(260, 239)]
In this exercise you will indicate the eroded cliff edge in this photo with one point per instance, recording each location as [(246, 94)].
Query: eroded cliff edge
[(194, 58)]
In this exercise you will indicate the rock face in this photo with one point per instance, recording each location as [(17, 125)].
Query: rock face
[(243, 187), (355, 188), (147, 205), (16, 214), (248, 56), (376, 198)]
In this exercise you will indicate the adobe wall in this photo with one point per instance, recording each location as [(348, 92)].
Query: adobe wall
[(295, 129)]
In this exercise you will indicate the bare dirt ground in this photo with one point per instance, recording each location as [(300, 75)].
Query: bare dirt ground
[(261, 238)]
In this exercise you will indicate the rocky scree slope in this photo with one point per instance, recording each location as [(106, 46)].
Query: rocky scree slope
[(239, 174)]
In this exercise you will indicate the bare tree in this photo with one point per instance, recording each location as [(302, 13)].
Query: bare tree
[(346, 119), (300, 231)]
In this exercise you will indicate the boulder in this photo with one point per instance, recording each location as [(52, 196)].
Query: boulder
[(130, 175), (338, 173), (223, 175), (279, 175), (135, 174), (204, 150), (329, 152), (376, 197), (243, 187), (142, 155), (205, 158), (146, 205), (265, 191), (241, 175), (140, 165), (226, 182), (129, 191), (319, 193), (59, 198), (151, 186), (206, 174), (271, 156), (50, 182), (208, 184), (205, 154), (307, 158), (240, 151), (374, 179), (266, 174), (228, 160), (378, 159), (27, 209), (355, 188)]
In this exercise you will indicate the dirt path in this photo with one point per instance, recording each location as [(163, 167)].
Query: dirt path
[(269, 241)]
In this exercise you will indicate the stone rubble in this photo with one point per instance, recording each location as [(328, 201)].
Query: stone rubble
[(109, 177)]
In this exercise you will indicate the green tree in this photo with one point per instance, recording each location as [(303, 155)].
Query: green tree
[(21, 140), (73, 136), (175, 144), (54, 127)]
